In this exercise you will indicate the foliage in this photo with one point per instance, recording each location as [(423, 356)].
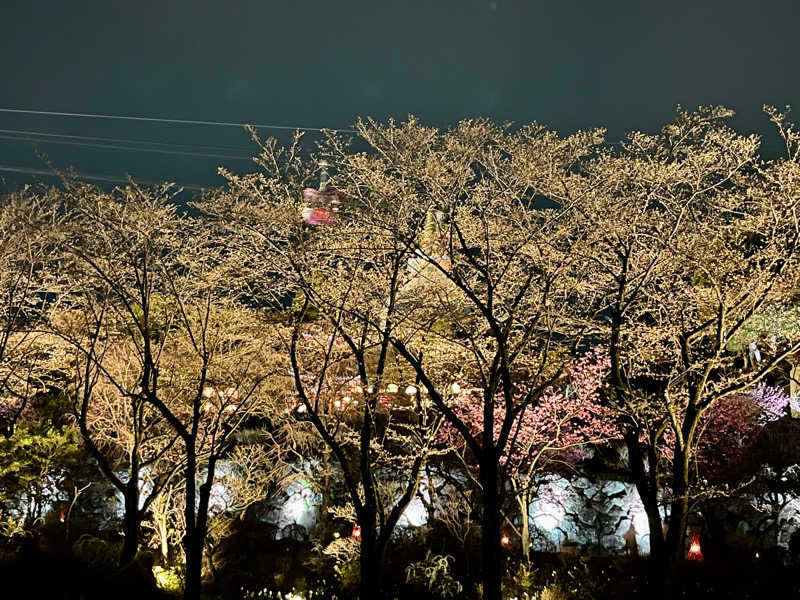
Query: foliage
[(774, 325), (568, 415), (574, 580), (433, 574), (170, 579), (96, 552), (733, 424), (37, 464)]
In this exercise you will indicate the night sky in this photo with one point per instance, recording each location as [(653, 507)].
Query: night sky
[(568, 64)]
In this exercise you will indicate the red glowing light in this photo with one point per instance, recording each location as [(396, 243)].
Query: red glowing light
[(356, 535), (694, 548)]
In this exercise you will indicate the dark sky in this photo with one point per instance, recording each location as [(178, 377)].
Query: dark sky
[(569, 64)]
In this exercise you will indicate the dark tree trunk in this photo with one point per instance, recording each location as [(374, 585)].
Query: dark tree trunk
[(490, 530), (191, 590), (194, 565), (131, 520), (371, 559), (678, 516), (646, 482), (196, 531)]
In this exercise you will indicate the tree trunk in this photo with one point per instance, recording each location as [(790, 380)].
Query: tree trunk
[(131, 522), (678, 516), (194, 565), (490, 530), (646, 482), (525, 531), (197, 541), (163, 534), (371, 558), (193, 553)]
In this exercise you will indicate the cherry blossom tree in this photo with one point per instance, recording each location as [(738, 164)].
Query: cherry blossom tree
[(569, 416), (730, 428), (346, 385), (27, 251), (694, 240), (166, 364)]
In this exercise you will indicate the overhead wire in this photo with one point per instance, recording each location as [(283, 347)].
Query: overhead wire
[(128, 144), (117, 147), (115, 139), (95, 177), (52, 113)]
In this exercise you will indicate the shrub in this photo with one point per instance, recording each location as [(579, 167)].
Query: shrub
[(433, 574)]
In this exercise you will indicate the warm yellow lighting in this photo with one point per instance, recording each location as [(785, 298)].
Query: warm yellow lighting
[(392, 388), (411, 390)]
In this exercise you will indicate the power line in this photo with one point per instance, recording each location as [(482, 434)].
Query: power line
[(163, 120), (119, 140), (115, 147), (94, 177)]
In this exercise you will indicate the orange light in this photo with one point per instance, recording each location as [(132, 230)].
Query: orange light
[(505, 540), (694, 548), (356, 535)]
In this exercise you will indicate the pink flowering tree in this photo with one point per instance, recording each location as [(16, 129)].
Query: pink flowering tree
[(553, 431), (733, 425)]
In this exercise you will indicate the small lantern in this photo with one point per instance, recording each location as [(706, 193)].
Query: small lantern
[(356, 535), (505, 541)]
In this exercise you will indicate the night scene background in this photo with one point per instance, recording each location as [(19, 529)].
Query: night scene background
[(570, 65), (274, 379)]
